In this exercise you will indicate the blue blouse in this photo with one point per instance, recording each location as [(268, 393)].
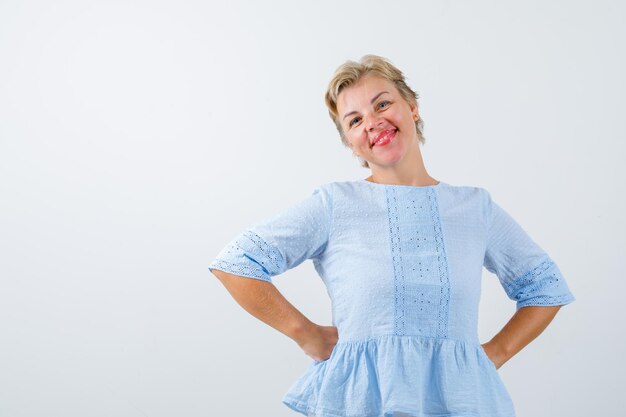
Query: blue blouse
[(402, 266)]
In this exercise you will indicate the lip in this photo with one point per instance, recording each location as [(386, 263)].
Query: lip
[(382, 135)]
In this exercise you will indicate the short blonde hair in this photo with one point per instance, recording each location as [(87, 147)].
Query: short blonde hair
[(350, 73)]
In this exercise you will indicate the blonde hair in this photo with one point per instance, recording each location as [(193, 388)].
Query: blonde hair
[(350, 73)]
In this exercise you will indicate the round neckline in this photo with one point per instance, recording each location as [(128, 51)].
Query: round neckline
[(402, 185)]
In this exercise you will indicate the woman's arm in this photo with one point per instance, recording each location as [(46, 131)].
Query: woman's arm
[(263, 300), (526, 324), (529, 277)]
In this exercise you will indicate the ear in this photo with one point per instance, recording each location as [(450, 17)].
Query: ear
[(414, 111)]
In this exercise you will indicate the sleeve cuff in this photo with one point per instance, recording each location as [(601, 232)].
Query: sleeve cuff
[(238, 269), (249, 255), (543, 285)]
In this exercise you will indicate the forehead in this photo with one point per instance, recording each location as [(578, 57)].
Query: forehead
[(360, 93)]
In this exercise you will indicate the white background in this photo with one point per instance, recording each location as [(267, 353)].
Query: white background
[(138, 137)]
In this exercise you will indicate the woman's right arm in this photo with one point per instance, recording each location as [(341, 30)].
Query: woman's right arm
[(263, 300), (246, 265)]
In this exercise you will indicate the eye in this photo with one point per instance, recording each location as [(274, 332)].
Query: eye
[(384, 102), (353, 120)]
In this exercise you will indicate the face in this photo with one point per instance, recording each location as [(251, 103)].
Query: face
[(377, 122)]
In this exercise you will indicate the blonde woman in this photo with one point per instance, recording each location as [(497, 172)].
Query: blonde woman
[(401, 254)]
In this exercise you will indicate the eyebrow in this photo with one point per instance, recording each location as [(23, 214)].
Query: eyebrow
[(371, 102)]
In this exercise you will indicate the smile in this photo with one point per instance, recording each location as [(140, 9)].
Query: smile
[(387, 137)]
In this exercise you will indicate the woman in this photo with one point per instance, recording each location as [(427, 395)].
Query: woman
[(401, 255)]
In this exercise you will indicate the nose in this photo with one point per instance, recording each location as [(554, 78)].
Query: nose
[(373, 121)]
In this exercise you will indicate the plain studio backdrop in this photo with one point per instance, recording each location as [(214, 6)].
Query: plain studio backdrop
[(138, 137)]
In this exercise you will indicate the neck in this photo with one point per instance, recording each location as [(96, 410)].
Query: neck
[(408, 171)]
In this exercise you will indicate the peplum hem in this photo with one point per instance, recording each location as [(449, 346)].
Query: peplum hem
[(407, 376)]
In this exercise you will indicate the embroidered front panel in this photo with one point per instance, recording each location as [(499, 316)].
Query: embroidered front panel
[(421, 279)]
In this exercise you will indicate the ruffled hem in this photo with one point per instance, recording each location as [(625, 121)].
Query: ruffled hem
[(408, 376)]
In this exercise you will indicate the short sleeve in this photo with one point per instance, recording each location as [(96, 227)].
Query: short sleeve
[(527, 273), (282, 241)]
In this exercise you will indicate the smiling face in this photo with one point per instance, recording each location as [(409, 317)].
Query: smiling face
[(377, 122)]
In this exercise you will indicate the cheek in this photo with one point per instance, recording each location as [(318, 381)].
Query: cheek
[(359, 138), (355, 136), (398, 119)]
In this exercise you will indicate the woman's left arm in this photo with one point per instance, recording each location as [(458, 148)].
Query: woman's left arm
[(526, 324), (528, 275)]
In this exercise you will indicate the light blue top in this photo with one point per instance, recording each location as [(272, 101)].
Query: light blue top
[(402, 266)]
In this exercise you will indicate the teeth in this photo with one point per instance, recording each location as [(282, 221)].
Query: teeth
[(381, 139)]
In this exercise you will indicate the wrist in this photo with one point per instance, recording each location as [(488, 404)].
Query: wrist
[(300, 330), (497, 352)]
